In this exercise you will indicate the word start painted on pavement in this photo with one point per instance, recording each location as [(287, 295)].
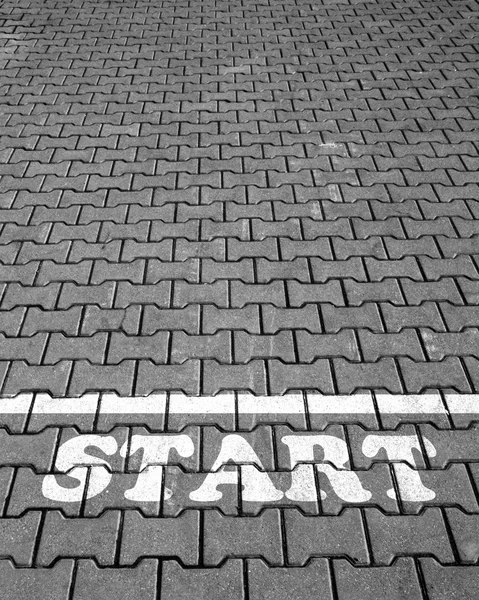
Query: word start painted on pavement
[(89, 474)]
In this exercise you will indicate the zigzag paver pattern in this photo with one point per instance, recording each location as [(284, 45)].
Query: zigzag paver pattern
[(269, 196)]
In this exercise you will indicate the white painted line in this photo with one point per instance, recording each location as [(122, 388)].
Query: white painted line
[(46, 405), (418, 404), (337, 405), (19, 405), (111, 404), (180, 404), (463, 403), (292, 404), (224, 404)]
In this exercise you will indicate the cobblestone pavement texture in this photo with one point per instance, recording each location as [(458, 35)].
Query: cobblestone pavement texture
[(268, 196)]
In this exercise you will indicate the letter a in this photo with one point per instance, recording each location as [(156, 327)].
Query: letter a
[(257, 486), (156, 450)]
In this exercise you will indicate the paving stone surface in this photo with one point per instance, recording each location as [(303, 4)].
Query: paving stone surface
[(239, 299), (252, 195)]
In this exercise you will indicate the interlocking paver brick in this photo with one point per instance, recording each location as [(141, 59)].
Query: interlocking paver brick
[(157, 319), (246, 318), (216, 346), (104, 271), (160, 537), (311, 581), (440, 345), (86, 376), (308, 537), (22, 274), (26, 582), (209, 293), (449, 582), (61, 347), (248, 347), (132, 249), (96, 319), (376, 345), (26, 495), (313, 346), (393, 536), (61, 231), (464, 533), (31, 251), (306, 293), (184, 377), (340, 317), (447, 447), (417, 292), (218, 377), (276, 319), (291, 249), (296, 269), (315, 375), (397, 318), (34, 233), (24, 377), (81, 250), (382, 374), (64, 537), (17, 538), (446, 373), (18, 295), (423, 246), (243, 294), (37, 452), (72, 294), (242, 536), (126, 583), (243, 270), (398, 581), (351, 268), (122, 347), (28, 349), (181, 584), (129, 293), (372, 247)]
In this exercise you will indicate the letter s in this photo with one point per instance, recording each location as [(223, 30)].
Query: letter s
[(73, 458)]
